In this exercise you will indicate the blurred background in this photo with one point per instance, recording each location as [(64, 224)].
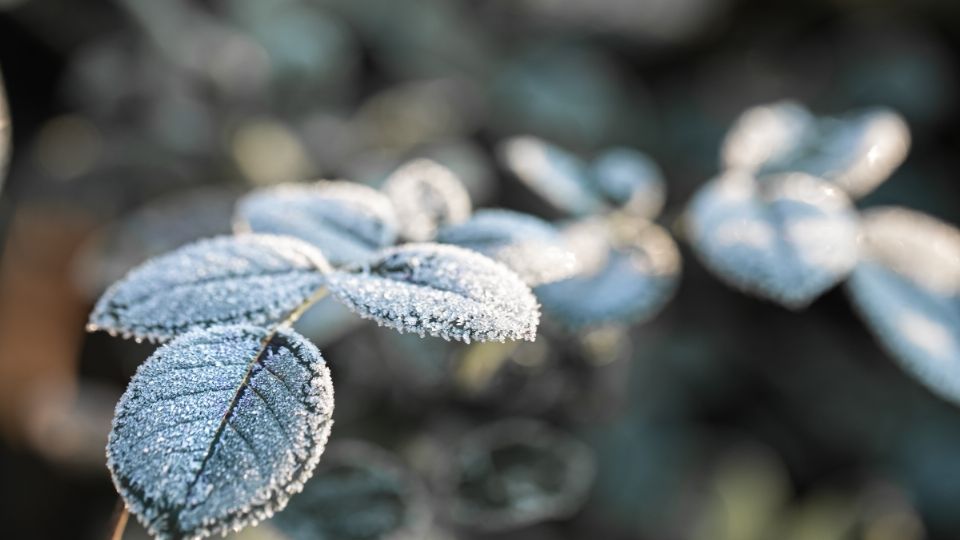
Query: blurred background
[(137, 123)]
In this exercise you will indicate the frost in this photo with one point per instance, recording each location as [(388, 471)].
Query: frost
[(347, 221), (856, 152), (630, 179), (787, 238), (907, 290), (358, 492), (5, 129), (443, 291), (635, 278), (426, 196), (553, 173), (251, 278), (218, 428), (529, 246)]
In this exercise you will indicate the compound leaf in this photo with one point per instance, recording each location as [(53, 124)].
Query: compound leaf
[(787, 238), (218, 428), (529, 246), (250, 278), (426, 196), (440, 290), (347, 221)]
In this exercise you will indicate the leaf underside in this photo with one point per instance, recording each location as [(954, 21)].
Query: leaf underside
[(426, 196), (218, 428), (251, 278)]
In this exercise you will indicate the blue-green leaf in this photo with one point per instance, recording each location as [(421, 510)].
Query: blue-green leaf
[(218, 428), (631, 180), (426, 196)]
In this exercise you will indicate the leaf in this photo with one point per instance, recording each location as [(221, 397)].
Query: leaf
[(787, 239), (218, 428), (907, 290), (358, 492), (634, 279), (5, 129), (347, 221), (444, 291), (426, 196), (856, 152), (251, 278), (553, 173), (630, 179), (529, 246)]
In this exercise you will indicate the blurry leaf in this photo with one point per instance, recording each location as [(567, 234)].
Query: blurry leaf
[(358, 492), (250, 278), (787, 238), (347, 221), (218, 428), (443, 291), (553, 173), (630, 179), (426, 196), (907, 289), (515, 473), (529, 246), (5, 128), (634, 279), (856, 152)]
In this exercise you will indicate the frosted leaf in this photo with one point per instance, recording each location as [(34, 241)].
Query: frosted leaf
[(632, 282), (857, 152), (630, 179), (5, 129), (444, 291), (347, 221), (529, 246), (249, 278), (426, 196), (553, 173), (358, 492), (218, 428), (788, 238), (519, 472), (907, 290)]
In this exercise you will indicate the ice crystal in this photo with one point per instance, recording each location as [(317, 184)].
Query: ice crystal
[(359, 492), (249, 278), (907, 289), (4, 133), (630, 179), (440, 290), (636, 278), (529, 246), (426, 196), (347, 221), (218, 428), (787, 238), (553, 173)]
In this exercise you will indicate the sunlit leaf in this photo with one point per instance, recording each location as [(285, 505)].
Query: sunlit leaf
[(634, 275), (5, 128), (630, 179), (529, 246), (249, 278), (358, 492), (768, 134), (218, 428), (907, 289), (426, 196), (347, 221), (553, 173), (440, 290), (787, 238)]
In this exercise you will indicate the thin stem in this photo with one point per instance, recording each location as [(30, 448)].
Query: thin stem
[(317, 295), (119, 520)]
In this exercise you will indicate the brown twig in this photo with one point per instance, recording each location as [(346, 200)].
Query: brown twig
[(119, 520)]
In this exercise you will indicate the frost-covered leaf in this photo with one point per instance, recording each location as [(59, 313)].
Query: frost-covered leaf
[(426, 196), (857, 152), (347, 221), (631, 280), (440, 290), (529, 246), (907, 289), (358, 492), (518, 472), (249, 278), (787, 238), (5, 129), (630, 179), (218, 428), (553, 173)]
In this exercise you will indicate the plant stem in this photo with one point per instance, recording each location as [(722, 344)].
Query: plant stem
[(119, 520), (317, 295)]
